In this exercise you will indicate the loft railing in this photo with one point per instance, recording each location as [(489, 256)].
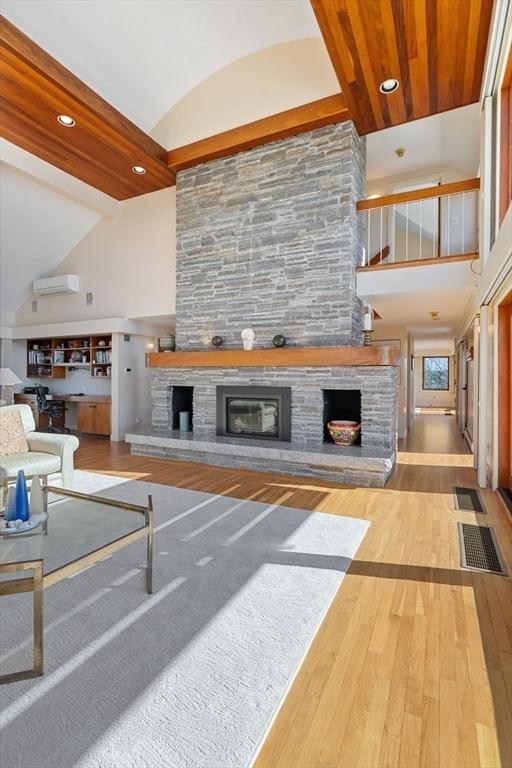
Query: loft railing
[(419, 225)]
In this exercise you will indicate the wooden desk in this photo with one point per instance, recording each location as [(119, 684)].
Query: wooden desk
[(92, 411), (40, 419)]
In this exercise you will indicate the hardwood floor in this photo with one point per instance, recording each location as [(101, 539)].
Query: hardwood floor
[(412, 665)]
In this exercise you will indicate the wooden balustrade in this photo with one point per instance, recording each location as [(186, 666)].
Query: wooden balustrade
[(440, 190)]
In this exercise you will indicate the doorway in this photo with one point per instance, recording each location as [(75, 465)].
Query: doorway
[(505, 393)]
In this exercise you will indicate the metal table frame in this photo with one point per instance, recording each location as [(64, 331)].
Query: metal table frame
[(39, 581)]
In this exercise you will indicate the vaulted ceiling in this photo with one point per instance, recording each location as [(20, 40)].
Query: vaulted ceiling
[(119, 67), (143, 56)]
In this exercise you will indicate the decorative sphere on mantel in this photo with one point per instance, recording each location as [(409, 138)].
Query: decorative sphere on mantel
[(217, 341), (279, 340)]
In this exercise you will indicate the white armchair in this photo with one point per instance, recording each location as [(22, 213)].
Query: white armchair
[(48, 453)]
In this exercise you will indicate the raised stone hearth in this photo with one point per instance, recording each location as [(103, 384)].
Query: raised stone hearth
[(356, 465)]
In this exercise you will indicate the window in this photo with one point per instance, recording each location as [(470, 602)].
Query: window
[(436, 373), (506, 141)]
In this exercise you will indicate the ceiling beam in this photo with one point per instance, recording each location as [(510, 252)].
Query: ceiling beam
[(434, 48), (100, 149), (332, 109)]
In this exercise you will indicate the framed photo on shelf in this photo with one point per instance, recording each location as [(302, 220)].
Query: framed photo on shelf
[(58, 357)]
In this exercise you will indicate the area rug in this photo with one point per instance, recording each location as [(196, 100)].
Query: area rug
[(193, 675)]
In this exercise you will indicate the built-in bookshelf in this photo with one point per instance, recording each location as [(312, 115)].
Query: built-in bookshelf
[(52, 358)]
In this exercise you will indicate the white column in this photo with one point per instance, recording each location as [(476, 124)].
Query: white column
[(483, 361)]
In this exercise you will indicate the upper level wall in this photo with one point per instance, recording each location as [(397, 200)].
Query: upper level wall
[(127, 263), (268, 239)]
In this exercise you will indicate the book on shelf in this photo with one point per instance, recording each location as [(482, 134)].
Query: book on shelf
[(35, 357), (103, 356)]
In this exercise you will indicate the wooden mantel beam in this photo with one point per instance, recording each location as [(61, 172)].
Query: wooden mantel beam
[(100, 149), (275, 358), (331, 109)]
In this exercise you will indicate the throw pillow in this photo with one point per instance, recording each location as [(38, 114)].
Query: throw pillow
[(12, 434)]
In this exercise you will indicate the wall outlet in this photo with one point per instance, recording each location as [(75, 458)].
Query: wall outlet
[(88, 299), (34, 305)]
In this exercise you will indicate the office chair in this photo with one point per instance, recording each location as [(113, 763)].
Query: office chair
[(51, 409)]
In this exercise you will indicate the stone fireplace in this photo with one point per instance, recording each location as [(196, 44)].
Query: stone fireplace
[(269, 239)]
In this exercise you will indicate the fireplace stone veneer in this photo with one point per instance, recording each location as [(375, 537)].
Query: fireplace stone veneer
[(369, 464), (270, 239)]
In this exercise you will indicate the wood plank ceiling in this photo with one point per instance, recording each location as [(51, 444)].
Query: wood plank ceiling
[(434, 48), (100, 149)]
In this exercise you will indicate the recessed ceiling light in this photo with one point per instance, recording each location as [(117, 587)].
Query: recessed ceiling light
[(138, 169), (373, 197), (388, 86), (66, 120)]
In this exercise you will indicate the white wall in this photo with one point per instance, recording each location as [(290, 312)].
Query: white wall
[(128, 263), (433, 398), (39, 227), (131, 384)]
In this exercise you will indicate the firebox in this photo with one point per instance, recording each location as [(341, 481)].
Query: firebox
[(254, 412), (341, 404)]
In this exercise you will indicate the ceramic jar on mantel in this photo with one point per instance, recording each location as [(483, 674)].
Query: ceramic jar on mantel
[(167, 342)]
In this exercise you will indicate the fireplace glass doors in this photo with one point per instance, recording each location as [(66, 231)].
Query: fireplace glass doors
[(254, 412)]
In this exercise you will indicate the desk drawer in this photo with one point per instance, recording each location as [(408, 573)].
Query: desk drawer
[(93, 418)]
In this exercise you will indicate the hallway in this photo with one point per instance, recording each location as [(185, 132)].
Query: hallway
[(412, 665)]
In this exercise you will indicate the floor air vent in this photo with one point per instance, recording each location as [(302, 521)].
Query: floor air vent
[(479, 550), (468, 500)]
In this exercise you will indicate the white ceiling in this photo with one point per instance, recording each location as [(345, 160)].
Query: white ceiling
[(142, 56), (449, 139), (438, 343), (39, 228), (413, 310)]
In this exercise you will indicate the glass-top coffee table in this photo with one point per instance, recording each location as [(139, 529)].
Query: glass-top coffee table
[(79, 530)]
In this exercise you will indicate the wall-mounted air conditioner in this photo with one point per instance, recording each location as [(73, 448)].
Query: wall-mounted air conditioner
[(58, 284)]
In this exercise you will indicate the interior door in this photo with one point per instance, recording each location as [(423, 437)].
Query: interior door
[(470, 410), (509, 312), (505, 393)]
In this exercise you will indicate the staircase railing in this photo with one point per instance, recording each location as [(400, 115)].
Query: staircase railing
[(420, 225)]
